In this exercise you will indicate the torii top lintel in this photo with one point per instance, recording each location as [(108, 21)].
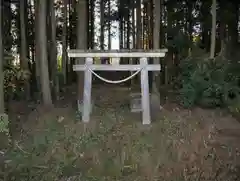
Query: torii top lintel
[(117, 53)]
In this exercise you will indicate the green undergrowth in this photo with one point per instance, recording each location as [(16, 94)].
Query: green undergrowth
[(210, 83), (111, 147)]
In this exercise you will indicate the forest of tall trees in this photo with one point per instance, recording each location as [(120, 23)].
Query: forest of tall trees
[(32, 51), (201, 67)]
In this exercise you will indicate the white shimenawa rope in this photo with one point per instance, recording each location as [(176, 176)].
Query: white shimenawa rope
[(114, 81)]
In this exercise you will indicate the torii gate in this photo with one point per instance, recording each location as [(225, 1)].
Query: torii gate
[(142, 68)]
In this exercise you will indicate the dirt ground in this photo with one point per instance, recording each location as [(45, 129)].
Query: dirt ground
[(180, 144)]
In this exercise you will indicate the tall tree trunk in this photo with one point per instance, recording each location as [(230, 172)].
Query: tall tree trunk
[(53, 55), (6, 24), (151, 23), (133, 26), (121, 26), (125, 32), (64, 42), (23, 47), (30, 37), (109, 25), (222, 29), (156, 38), (102, 28), (102, 19), (31, 32), (133, 60), (121, 33), (92, 17), (37, 48), (213, 32), (128, 33), (205, 25), (91, 7), (139, 30), (162, 18), (1, 64), (145, 23), (139, 25), (81, 40), (45, 83), (150, 18), (28, 31), (72, 37), (72, 24)]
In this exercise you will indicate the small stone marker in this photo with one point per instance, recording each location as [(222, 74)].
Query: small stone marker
[(135, 102)]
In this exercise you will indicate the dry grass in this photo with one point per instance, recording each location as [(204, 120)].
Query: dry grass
[(181, 145)]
